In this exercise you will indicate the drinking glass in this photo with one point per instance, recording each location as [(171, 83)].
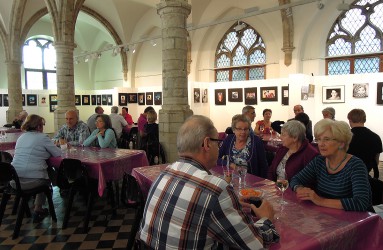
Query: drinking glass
[(228, 176), (242, 171), (282, 185)]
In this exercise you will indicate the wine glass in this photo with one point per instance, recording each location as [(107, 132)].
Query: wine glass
[(282, 185), (228, 175), (242, 171), (261, 128)]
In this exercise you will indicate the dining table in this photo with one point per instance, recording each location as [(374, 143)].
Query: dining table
[(8, 140), (302, 225), (10, 130)]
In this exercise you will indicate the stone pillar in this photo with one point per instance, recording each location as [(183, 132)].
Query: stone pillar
[(14, 90), (65, 82), (175, 108)]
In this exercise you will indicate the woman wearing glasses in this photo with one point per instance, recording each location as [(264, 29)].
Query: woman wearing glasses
[(244, 148), (296, 152), (341, 179), (103, 136)]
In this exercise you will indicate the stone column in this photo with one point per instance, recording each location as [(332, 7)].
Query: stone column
[(14, 90), (65, 82), (175, 108)]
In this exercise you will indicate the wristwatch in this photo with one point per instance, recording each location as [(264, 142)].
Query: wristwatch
[(296, 187)]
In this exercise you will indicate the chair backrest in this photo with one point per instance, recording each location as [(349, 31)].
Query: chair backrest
[(376, 190), (5, 157), (72, 169), (8, 173), (131, 194), (133, 133)]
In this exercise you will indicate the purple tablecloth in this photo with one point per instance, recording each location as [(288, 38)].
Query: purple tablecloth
[(10, 141), (10, 130), (104, 164), (301, 224)]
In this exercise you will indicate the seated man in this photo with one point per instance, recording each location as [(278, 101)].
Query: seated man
[(19, 120), (92, 119), (74, 132), (188, 207)]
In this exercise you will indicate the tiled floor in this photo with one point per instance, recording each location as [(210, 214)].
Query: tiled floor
[(106, 231)]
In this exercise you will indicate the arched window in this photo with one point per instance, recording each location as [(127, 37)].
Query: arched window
[(40, 64), (355, 42), (240, 55)]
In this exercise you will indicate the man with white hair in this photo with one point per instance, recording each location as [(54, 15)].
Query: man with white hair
[(118, 122), (20, 119)]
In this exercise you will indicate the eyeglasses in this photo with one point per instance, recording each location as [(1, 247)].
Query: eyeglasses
[(242, 129), (219, 141), (324, 140)]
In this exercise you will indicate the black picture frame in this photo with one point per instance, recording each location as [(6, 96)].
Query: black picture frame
[(1, 100), (141, 98), (122, 99), (52, 103), (329, 97), (269, 94), (31, 100), (104, 100), (197, 95), (235, 95), (132, 97), (93, 99), (379, 93), (23, 99), (99, 100), (251, 96), (85, 99), (157, 98), (149, 98), (205, 96), (5, 100), (220, 96), (109, 100), (77, 100), (285, 95)]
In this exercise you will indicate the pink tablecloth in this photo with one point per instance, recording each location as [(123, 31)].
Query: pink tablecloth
[(302, 225), (9, 142), (104, 164)]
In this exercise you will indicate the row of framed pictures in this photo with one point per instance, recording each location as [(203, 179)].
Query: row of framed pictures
[(148, 98)]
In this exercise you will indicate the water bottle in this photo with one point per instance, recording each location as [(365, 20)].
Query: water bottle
[(156, 160), (131, 145)]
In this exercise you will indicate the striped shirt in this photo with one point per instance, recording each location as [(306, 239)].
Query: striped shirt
[(350, 185), (188, 208)]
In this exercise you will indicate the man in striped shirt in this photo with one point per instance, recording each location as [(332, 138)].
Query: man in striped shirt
[(189, 208)]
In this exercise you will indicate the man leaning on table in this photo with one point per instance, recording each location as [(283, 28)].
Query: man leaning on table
[(74, 132), (189, 208)]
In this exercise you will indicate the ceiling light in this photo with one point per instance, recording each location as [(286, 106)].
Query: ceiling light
[(134, 49), (116, 51), (76, 61), (99, 55), (240, 26), (87, 57), (343, 6), (153, 43), (320, 5)]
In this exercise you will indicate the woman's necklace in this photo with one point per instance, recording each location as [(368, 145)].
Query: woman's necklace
[(334, 169)]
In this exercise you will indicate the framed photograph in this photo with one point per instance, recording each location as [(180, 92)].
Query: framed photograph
[(104, 101), (99, 102), (122, 99), (220, 96), (141, 98), (205, 96), (305, 93), (132, 97), (85, 99), (333, 94), (285, 95), (149, 98), (251, 96), (5, 100), (43, 100), (235, 95), (269, 94), (360, 90), (109, 100), (77, 100), (23, 99), (157, 98), (380, 93), (311, 90), (1, 100), (32, 100), (197, 95), (52, 103), (94, 99)]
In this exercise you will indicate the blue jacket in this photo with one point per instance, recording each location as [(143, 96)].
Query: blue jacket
[(257, 158)]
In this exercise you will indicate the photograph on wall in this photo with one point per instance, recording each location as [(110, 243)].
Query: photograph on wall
[(5, 100), (380, 93), (122, 99), (141, 98), (360, 90), (94, 99), (197, 95), (269, 94), (23, 99), (1, 100), (104, 100), (285, 95), (333, 94), (311, 90), (235, 95), (109, 100), (220, 96), (132, 97), (85, 99), (304, 93), (149, 98), (32, 100), (99, 100), (157, 98), (77, 100), (43, 100), (251, 96), (205, 96), (52, 103)]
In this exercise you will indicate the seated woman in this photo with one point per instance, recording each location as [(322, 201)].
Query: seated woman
[(296, 152), (341, 179), (263, 127), (32, 150), (244, 148), (103, 136)]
